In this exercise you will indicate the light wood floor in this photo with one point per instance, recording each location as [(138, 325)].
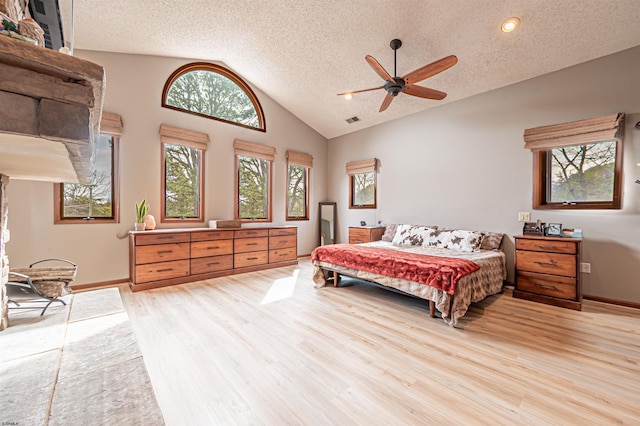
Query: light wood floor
[(268, 348)]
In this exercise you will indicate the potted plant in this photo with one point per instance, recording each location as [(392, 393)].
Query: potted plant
[(142, 208)]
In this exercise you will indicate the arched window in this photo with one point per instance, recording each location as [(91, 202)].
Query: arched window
[(212, 91)]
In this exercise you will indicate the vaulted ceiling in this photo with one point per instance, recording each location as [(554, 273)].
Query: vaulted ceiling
[(302, 53)]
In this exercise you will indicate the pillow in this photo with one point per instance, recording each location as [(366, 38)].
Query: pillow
[(411, 235), (455, 239), (389, 232), (491, 241)]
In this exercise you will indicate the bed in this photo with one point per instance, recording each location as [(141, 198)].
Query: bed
[(449, 268)]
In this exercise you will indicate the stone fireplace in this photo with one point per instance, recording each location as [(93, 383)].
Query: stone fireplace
[(52, 104)]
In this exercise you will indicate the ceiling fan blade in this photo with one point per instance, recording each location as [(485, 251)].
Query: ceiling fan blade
[(360, 91), (430, 70), (378, 68), (424, 92), (386, 102)]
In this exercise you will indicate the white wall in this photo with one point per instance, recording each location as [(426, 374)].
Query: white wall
[(464, 165), (134, 89)]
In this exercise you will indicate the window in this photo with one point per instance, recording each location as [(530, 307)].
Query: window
[(577, 165), (182, 195), (362, 184), (215, 92), (298, 169), (253, 181), (97, 202)]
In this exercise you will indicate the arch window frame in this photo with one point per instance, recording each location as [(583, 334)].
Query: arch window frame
[(218, 69)]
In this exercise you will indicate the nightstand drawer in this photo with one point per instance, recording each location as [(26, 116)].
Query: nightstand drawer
[(546, 263), (547, 285), (358, 239), (567, 247), (361, 232)]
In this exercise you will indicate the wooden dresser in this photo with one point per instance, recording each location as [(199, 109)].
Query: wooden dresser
[(365, 234), (174, 256), (548, 270)]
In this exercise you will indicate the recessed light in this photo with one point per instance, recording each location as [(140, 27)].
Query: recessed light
[(510, 25)]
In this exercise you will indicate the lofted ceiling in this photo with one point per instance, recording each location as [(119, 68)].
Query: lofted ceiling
[(302, 53)]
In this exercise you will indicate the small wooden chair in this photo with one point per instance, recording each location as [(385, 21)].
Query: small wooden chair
[(42, 282)]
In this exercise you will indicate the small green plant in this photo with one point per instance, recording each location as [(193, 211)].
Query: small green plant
[(142, 208)]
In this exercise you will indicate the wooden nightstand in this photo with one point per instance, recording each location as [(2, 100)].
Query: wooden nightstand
[(548, 270), (365, 234)]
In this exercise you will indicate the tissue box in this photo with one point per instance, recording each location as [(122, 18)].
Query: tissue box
[(224, 224)]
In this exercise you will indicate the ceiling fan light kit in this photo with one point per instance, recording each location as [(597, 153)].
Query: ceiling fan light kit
[(407, 84)]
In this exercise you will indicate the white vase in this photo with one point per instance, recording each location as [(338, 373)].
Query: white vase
[(139, 226)]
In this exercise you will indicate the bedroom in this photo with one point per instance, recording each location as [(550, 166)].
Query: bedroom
[(467, 157)]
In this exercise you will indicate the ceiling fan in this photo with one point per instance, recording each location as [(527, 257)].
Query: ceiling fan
[(407, 84)]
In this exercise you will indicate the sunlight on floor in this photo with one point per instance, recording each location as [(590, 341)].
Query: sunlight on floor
[(281, 289)]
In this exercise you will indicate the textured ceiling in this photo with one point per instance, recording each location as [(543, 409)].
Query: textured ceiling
[(302, 53)]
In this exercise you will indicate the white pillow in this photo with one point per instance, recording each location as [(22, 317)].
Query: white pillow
[(455, 239), (411, 235)]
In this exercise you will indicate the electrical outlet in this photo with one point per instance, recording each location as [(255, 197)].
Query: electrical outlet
[(524, 217), (585, 267)]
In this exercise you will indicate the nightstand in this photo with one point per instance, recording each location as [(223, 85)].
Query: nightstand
[(548, 270), (365, 234)]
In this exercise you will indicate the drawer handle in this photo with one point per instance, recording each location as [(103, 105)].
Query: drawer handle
[(165, 252), (252, 244), (548, 286), (542, 246), (165, 237), (252, 258), (165, 270), (552, 263), (213, 263), (213, 247)]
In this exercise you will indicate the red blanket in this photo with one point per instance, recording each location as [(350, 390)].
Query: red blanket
[(442, 273)]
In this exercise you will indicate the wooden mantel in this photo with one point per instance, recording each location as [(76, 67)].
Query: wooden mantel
[(50, 108)]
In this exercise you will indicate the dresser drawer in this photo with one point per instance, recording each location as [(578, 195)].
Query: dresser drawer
[(361, 232), (244, 245), (547, 285), (162, 271), (161, 253), (282, 242), (553, 246), (358, 239), (282, 231), (251, 233), (282, 255), (204, 265), (172, 237), (211, 235), (211, 248), (546, 263), (242, 260)]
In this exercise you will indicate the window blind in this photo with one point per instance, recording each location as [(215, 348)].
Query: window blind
[(111, 124), (592, 130), (363, 166), (300, 159), (251, 149), (178, 136)]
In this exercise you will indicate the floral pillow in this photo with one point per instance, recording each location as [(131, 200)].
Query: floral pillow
[(455, 239), (411, 235), (491, 241), (389, 232)]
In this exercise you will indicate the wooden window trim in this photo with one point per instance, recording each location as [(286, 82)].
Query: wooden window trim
[(306, 161), (110, 124), (236, 207), (205, 66), (541, 140), (360, 167), (540, 186), (163, 199)]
